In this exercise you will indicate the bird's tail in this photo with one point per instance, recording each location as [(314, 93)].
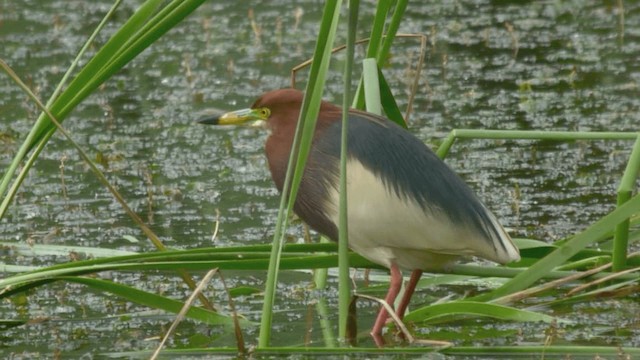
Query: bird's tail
[(504, 250)]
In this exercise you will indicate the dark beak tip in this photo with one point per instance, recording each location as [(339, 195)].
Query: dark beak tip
[(209, 119)]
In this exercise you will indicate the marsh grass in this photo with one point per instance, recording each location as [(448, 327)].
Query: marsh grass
[(569, 262)]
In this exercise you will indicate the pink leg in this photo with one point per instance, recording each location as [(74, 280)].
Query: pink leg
[(408, 292), (394, 289)]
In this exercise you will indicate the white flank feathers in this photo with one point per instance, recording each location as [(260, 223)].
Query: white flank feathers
[(385, 228)]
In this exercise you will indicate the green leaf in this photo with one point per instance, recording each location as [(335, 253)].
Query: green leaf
[(371, 86), (131, 239), (154, 301), (475, 308), (300, 149), (6, 324), (61, 250), (389, 102), (566, 251), (244, 291), (139, 32)]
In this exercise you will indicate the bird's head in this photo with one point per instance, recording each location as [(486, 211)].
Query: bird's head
[(271, 108), (278, 110)]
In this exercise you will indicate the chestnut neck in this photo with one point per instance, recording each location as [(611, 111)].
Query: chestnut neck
[(285, 111)]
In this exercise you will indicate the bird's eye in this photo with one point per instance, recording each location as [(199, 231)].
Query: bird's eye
[(264, 113)]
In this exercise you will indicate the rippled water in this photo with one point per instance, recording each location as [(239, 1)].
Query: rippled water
[(490, 64)]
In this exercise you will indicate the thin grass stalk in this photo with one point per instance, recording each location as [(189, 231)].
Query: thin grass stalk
[(402, 352), (7, 269), (168, 17), (241, 252), (78, 88), (391, 32), (13, 190), (555, 284), (320, 275), (306, 63), (624, 191), (371, 86), (344, 289), (377, 29), (474, 308), (325, 324), (416, 81), (585, 263), (627, 184), (564, 252), (43, 125), (183, 312), (615, 290), (36, 250), (375, 40), (84, 48), (103, 180), (392, 314), (601, 280), (134, 22), (146, 28), (148, 299), (455, 134), (83, 155), (545, 135), (309, 113), (239, 258), (388, 102), (23, 282), (159, 24), (89, 78), (327, 251), (308, 116), (539, 351), (24, 148), (507, 272), (132, 38), (237, 328), (621, 233)]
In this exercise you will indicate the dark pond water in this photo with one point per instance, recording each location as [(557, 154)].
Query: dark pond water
[(549, 65)]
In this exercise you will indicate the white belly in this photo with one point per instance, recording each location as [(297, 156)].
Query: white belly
[(385, 228)]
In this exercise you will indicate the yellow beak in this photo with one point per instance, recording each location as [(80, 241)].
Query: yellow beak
[(237, 117)]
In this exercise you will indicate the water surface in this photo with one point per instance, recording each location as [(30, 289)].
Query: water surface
[(490, 65)]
